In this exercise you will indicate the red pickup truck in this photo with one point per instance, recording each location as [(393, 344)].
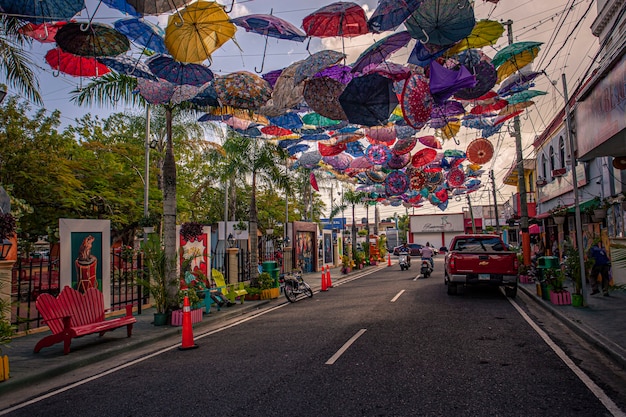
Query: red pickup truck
[(481, 260)]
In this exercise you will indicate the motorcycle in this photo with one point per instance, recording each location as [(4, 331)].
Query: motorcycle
[(403, 260), (426, 268)]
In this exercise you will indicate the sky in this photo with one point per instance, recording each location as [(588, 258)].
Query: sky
[(563, 26)]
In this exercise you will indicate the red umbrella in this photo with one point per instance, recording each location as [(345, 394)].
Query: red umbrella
[(501, 119), (75, 65), (331, 150), (479, 151), (418, 180), (404, 145), (345, 19), (313, 182), (423, 157), (275, 131), (491, 107), (456, 177), (42, 32), (417, 102), (430, 141)]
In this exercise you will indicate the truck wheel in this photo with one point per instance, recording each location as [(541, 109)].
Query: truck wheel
[(510, 292), (451, 288)]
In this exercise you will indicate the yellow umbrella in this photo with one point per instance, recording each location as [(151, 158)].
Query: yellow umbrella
[(512, 108), (195, 33), (449, 130), (485, 32)]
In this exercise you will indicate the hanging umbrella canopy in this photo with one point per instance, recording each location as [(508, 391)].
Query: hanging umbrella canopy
[(514, 57), (423, 157), (142, 33), (243, 90), (417, 102), (396, 183), (524, 96), (42, 32), (430, 141), (479, 151), (41, 11), (423, 54), (207, 96), (345, 19), (378, 154), (322, 95), (155, 92), (381, 50), (124, 64), (369, 100), (288, 121), (154, 7), (316, 119), (517, 82), (287, 94), (390, 14), (339, 162), (316, 63), (270, 25), (444, 82), (179, 73), (398, 161), (203, 29), (91, 39), (484, 33), (384, 135), (441, 22), (404, 146), (77, 66)]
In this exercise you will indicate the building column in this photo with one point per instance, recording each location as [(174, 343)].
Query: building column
[(233, 265)]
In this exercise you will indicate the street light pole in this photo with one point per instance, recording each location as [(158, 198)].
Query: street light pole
[(521, 180)]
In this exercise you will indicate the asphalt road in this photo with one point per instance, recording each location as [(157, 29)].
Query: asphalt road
[(382, 345)]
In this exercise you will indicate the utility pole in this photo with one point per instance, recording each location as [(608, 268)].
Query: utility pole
[(495, 200), (521, 180), (469, 203)]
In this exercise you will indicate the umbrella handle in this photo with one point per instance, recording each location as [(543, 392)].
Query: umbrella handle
[(181, 20), (231, 7), (45, 29), (427, 37), (262, 62)]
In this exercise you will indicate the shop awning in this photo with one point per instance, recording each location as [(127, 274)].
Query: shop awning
[(583, 206)]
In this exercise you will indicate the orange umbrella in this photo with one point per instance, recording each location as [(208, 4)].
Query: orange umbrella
[(479, 151)]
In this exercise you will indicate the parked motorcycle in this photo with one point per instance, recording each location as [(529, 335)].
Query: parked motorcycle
[(426, 268), (403, 260)]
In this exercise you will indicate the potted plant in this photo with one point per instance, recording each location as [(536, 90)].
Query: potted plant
[(266, 283), (148, 223), (254, 293), (240, 227), (558, 213), (156, 283), (359, 259), (190, 231), (572, 270), (345, 264)]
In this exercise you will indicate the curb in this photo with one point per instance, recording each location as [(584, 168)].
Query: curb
[(581, 330)]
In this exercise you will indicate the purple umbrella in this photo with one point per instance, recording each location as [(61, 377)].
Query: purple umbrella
[(444, 82), (396, 183), (448, 108), (515, 83), (341, 73), (398, 161), (391, 13), (340, 162), (179, 73), (381, 50), (272, 76)]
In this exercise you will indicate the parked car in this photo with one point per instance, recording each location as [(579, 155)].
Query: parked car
[(416, 249)]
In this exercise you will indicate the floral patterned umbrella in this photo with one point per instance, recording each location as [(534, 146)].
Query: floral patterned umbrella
[(396, 183), (417, 180), (77, 66), (340, 162), (91, 39), (316, 63), (286, 94), (243, 90), (378, 154), (404, 146), (322, 95), (155, 92), (417, 101), (455, 177), (179, 73), (124, 64), (398, 161), (345, 19), (41, 11)]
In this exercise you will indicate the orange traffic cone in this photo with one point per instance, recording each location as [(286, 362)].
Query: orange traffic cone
[(324, 283), (388, 259), (329, 281), (187, 327)]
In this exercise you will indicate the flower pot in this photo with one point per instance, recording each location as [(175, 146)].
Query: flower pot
[(252, 297), (560, 298), (559, 219), (160, 319), (4, 368), (577, 300), (177, 317)]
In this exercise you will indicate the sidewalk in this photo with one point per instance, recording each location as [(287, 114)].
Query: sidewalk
[(602, 324), (27, 367)]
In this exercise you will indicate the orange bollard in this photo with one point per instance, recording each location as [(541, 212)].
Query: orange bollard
[(324, 283), (329, 281), (187, 327), (388, 259)]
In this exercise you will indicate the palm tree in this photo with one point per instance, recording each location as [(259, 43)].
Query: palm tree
[(14, 61), (354, 198)]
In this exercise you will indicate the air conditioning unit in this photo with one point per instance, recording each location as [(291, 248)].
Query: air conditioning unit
[(559, 172)]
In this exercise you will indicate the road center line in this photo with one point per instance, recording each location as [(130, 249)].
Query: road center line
[(345, 347), (393, 300)]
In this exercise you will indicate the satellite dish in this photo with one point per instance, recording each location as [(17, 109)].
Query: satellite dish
[(5, 201)]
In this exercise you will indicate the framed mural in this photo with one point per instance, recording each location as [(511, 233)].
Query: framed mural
[(196, 250), (86, 255), (328, 248)]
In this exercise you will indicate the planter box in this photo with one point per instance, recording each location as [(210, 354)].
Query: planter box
[(269, 294), (177, 317), (560, 298), (4, 368), (525, 279), (252, 297)]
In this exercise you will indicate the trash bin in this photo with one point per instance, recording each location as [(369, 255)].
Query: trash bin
[(271, 267), (545, 263)]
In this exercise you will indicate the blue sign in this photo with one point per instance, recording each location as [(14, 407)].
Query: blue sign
[(337, 223)]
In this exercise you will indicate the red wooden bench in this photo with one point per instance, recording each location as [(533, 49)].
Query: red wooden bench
[(73, 314)]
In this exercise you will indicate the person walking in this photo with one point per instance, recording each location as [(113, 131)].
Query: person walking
[(602, 266)]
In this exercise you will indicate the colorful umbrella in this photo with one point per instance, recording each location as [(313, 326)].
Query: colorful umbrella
[(523, 96), (484, 33), (390, 14), (514, 57), (398, 161), (369, 100), (339, 162), (384, 135), (42, 32), (512, 108), (417, 180), (155, 92), (41, 11), (270, 25), (322, 95), (441, 22), (122, 6), (331, 150), (417, 101), (315, 119), (316, 63), (275, 131), (479, 151), (381, 50), (396, 183), (310, 159), (355, 149), (93, 39), (242, 90), (404, 146), (423, 54), (124, 64), (75, 65), (288, 121), (391, 70), (378, 154), (450, 129), (345, 19), (444, 82), (287, 94), (272, 76), (179, 73), (154, 7), (423, 157), (294, 149), (195, 33), (142, 33), (430, 141), (517, 82), (313, 182), (207, 96)]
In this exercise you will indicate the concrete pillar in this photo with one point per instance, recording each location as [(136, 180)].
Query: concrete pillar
[(336, 260), (5, 286), (287, 260), (233, 265)]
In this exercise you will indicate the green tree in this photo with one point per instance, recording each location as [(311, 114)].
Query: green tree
[(353, 198)]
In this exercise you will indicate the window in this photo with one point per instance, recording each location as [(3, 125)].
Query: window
[(551, 158), (544, 171), (562, 151)]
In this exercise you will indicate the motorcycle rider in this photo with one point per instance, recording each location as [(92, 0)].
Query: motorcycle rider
[(404, 249), (427, 254)]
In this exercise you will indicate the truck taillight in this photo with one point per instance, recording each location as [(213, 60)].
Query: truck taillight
[(451, 262)]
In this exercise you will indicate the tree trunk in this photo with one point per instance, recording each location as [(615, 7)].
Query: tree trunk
[(169, 213), (254, 240), (353, 232)]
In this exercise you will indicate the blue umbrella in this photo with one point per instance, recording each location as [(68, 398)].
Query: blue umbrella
[(122, 6), (294, 149), (380, 50), (206, 97), (422, 55), (285, 143), (41, 11), (355, 149), (288, 121), (143, 33), (124, 64), (441, 22), (179, 73), (390, 14)]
